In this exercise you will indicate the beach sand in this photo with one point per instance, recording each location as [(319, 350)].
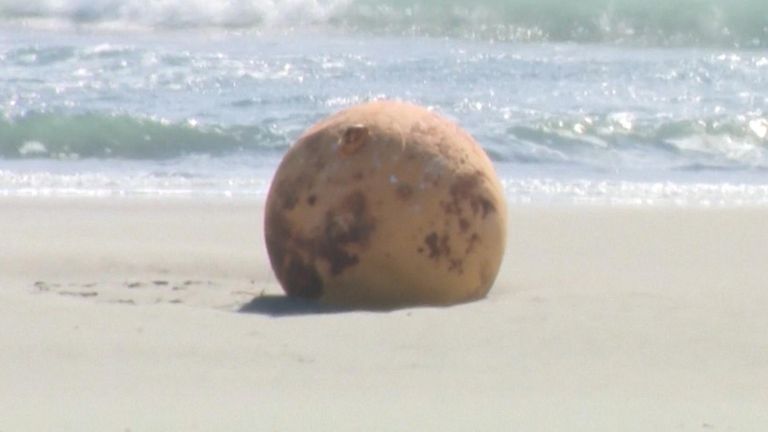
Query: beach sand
[(125, 314)]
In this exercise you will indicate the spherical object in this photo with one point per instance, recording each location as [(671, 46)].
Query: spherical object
[(385, 205)]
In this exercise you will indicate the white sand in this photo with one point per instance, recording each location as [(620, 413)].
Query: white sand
[(119, 315)]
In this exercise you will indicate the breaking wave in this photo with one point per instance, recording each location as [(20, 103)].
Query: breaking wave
[(55, 136), (602, 143), (658, 22)]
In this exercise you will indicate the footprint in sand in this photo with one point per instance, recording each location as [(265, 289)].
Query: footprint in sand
[(229, 295)]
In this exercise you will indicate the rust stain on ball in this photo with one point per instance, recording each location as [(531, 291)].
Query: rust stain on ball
[(383, 205), (404, 191), (466, 190), (353, 139), (349, 224), (302, 279)]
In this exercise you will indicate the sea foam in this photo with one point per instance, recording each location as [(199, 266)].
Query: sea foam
[(729, 22)]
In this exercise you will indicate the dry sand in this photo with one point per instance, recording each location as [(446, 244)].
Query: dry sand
[(122, 314)]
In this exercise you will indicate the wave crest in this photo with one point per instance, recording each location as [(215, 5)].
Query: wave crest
[(55, 136), (619, 140)]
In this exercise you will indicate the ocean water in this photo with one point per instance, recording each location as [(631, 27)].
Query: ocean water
[(599, 101)]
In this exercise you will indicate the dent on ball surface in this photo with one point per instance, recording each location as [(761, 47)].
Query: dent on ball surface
[(385, 205)]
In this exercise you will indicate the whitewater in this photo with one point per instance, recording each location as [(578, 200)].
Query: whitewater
[(622, 102)]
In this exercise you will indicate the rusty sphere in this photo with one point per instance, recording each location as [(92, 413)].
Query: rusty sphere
[(384, 205)]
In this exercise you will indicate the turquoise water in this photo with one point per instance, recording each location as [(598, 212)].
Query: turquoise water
[(607, 101)]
